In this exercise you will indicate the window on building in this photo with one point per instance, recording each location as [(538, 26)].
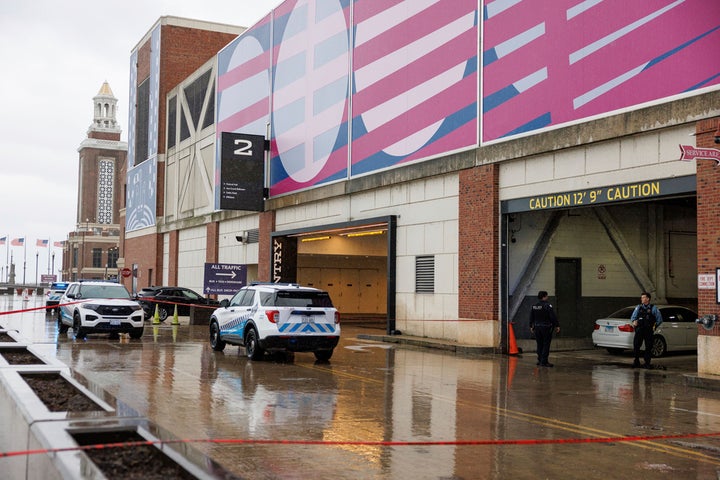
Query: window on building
[(425, 274), (195, 94), (97, 257), (106, 184), (112, 257), (75, 257), (172, 127), (142, 121), (210, 112)]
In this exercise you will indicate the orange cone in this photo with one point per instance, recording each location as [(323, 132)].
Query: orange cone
[(513, 348)]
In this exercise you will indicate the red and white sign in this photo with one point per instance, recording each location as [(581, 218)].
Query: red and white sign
[(126, 272), (706, 282), (688, 153)]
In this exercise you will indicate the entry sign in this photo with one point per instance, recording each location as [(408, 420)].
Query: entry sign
[(224, 278), (242, 171)]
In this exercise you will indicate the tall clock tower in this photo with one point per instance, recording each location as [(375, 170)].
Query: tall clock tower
[(92, 249)]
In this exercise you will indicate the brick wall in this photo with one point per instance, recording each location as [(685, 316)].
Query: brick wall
[(708, 213), (267, 225), (145, 251), (212, 238), (479, 253)]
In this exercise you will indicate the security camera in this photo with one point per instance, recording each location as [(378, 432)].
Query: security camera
[(717, 138)]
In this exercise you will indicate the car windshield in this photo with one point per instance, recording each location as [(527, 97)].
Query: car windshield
[(190, 294), (104, 291), (299, 298), (623, 313)]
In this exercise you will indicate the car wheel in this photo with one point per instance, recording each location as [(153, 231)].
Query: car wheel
[(252, 349), (62, 328), (77, 327), (659, 347), (136, 332), (614, 351), (163, 313), (323, 355), (216, 342)]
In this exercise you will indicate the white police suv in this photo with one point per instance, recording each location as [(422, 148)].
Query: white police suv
[(269, 317), (100, 307)]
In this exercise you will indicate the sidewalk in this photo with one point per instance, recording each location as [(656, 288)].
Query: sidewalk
[(691, 379)]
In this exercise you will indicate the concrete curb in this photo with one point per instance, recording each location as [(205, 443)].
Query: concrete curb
[(472, 350), (29, 425)]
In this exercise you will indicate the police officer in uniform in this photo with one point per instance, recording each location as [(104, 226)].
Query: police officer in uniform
[(542, 323), (645, 319)]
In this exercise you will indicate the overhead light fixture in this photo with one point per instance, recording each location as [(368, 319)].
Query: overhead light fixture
[(313, 239), (365, 234)]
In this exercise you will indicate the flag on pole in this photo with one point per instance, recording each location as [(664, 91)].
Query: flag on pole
[(59, 244), (42, 243), (18, 242), (3, 240)]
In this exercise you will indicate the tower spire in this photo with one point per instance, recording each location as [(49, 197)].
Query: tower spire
[(105, 112)]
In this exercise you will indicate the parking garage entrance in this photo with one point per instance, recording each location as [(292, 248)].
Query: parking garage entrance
[(596, 250), (353, 261)]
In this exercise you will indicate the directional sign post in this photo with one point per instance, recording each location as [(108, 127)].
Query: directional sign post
[(224, 278)]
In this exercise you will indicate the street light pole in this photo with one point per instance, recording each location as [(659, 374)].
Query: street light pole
[(37, 258)]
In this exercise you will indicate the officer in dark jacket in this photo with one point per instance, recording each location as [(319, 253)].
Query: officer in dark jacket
[(542, 323), (645, 319)]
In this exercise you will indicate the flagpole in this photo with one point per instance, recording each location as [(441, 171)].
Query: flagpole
[(24, 257)]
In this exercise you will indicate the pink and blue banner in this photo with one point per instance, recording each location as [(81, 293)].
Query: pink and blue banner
[(549, 63), (343, 98)]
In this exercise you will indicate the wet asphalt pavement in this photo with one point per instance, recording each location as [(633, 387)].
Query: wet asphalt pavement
[(387, 411)]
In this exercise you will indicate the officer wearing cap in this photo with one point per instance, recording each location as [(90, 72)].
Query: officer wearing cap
[(542, 323)]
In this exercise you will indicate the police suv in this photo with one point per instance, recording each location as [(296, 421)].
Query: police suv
[(269, 317), (99, 307)]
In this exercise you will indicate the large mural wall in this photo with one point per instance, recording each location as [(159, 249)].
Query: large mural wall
[(142, 172), (345, 88), (549, 63), (349, 88)]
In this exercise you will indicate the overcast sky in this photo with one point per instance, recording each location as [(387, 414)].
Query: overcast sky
[(55, 57)]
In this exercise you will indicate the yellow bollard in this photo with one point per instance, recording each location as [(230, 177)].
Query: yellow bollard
[(175, 320), (156, 317)]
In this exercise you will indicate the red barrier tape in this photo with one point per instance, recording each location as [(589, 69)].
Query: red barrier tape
[(51, 307), (235, 441), (39, 308), (166, 302)]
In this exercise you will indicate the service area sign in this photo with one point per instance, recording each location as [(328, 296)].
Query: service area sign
[(224, 278), (242, 169)]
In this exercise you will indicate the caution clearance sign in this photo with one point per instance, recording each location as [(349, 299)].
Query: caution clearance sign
[(602, 195)]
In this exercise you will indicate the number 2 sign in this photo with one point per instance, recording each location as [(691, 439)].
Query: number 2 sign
[(242, 171)]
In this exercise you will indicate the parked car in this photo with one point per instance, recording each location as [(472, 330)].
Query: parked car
[(100, 307), (166, 298), (277, 317), (54, 293), (677, 332)]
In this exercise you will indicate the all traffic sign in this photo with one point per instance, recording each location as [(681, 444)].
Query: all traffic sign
[(224, 278)]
